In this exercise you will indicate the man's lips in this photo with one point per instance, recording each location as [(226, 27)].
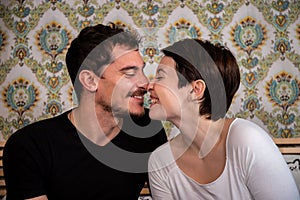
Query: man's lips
[(138, 94), (138, 97)]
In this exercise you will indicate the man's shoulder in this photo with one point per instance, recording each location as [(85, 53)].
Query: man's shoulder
[(39, 128)]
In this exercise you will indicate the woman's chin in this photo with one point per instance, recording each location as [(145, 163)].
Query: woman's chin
[(157, 114)]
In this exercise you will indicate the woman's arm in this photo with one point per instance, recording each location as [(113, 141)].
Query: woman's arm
[(268, 175), (158, 187)]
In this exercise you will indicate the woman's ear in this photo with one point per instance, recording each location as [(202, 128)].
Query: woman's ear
[(89, 80), (198, 88)]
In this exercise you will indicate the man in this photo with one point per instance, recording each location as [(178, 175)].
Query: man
[(100, 149)]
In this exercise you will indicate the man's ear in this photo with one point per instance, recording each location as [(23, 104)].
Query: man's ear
[(89, 80), (198, 88)]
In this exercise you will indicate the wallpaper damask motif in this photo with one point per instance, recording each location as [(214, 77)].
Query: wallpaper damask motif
[(263, 35)]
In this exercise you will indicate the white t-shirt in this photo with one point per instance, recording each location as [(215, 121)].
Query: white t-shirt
[(254, 169)]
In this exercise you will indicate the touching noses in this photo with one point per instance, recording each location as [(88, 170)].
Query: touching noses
[(150, 86), (143, 81)]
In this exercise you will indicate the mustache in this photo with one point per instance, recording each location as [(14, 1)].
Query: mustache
[(138, 92)]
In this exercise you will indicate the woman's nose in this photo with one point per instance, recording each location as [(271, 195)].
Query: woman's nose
[(150, 86)]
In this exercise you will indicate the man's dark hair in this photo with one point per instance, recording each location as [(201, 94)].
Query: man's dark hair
[(93, 47)]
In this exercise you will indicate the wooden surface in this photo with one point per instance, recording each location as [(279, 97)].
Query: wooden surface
[(2, 182), (288, 145)]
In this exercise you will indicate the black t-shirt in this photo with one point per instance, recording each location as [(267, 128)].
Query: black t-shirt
[(51, 158)]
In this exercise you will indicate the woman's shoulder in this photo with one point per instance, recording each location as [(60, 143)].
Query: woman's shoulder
[(246, 128), (161, 158), (247, 134), (161, 153)]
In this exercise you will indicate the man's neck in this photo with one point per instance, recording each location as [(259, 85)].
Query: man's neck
[(99, 126)]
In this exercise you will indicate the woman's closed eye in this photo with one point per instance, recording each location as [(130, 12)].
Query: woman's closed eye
[(159, 74), (158, 78)]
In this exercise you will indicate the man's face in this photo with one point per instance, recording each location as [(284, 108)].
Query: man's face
[(123, 84)]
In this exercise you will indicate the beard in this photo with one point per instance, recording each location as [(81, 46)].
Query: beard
[(137, 114), (121, 112)]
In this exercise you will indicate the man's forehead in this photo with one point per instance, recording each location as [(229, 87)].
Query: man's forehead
[(118, 52), (121, 50)]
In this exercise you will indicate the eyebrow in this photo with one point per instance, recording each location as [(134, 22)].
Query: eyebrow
[(132, 67), (160, 70)]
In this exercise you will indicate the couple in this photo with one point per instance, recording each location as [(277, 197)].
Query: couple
[(100, 149)]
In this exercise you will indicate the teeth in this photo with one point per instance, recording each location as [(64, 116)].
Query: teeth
[(138, 97), (153, 101)]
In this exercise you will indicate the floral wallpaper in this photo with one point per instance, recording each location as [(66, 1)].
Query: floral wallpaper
[(263, 35)]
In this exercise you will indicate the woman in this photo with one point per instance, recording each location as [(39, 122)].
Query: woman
[(213, 157)]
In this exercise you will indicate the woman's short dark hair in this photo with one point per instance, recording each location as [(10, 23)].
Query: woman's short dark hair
[(215, 65), (92, 49)]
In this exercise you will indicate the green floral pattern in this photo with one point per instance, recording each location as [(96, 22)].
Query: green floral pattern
[(263, 35)]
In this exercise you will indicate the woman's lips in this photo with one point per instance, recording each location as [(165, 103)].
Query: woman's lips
[(154, 100)]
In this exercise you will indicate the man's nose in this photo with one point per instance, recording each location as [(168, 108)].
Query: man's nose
[(143, 81)]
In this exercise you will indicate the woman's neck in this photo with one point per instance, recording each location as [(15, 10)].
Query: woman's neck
[(200, 135)]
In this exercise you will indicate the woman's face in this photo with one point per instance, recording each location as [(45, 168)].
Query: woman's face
[(166, 97)]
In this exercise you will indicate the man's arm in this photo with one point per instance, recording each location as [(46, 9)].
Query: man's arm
[(43, 197), (23, 167)]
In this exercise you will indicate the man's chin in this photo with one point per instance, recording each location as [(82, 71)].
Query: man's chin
[(137, 113), (136, 110)]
